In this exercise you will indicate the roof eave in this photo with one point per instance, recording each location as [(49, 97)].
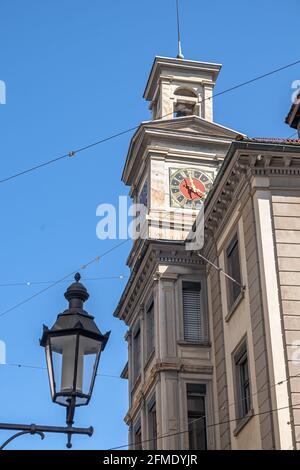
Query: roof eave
[(247, 144)]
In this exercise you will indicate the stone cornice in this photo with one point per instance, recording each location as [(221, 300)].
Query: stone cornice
[(231, 187), (156, 253), (187, 260), (158, 367), (224, 203), (187, 135)]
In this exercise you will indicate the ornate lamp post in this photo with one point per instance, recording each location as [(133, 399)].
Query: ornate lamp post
[(73, 347)]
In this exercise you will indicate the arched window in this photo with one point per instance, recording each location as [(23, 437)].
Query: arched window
[(185, 103), (185, 92)]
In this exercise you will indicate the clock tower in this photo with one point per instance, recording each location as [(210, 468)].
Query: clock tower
[(171, 166), (173, 159)]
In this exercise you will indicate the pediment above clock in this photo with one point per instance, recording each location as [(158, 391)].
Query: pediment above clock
[(190, 131), (194, 124)]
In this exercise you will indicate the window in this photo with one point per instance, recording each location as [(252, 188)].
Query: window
[(136, 354), (138, 436), (194, 317), (242, 381), (184, 109), (150, 330), (233, 269), (152, 425), (186, 103), (185, 92), (196, 416)]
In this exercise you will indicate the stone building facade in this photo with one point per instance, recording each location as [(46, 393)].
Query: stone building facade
[(212, 357)]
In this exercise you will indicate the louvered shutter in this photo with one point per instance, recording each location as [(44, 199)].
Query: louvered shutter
[(194, 318)]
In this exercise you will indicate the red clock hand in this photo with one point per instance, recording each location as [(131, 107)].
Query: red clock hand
[(193, 189)]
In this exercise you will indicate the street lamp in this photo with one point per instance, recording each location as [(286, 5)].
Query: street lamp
[(73, 347)]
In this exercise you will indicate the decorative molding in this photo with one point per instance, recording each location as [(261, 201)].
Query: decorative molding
[(180, 260), (147, 273), (180, 367)]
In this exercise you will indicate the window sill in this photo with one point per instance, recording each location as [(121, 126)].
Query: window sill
[(242, 422), (198, 345), (234, 306)]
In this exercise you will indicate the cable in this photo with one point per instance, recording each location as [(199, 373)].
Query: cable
[(84, 279), (221, 270), (69, 154), (84, 266), (26, 366), (126, 131), (259, 77), (228, 406), (292, 135), (223, 422), (208, 426), (203, 417), (178, 432), (29, 366), (72, 153), (264, 388)]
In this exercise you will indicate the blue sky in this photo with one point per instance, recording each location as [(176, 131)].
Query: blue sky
[(75, 72)]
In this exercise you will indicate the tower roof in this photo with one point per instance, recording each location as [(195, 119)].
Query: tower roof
[(190, 68)]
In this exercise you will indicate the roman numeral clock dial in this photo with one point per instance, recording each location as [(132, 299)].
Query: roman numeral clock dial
[(189, 187)]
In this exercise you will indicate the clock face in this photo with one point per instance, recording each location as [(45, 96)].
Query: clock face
[(189, 187)]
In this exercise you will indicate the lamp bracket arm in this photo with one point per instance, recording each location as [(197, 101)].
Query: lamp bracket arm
[(41, 430)]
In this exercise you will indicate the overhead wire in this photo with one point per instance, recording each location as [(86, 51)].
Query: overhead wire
[(269, 387), (266, 387), (55, 283), (30, 366), (81, 149), (72, 153), (208, 425), (84, 279)]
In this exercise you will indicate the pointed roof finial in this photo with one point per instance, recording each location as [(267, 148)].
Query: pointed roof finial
[(77, 277), (179, 55)]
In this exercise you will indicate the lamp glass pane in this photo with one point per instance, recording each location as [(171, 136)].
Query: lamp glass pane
[(50, 369), (63, 359), (89, 352)]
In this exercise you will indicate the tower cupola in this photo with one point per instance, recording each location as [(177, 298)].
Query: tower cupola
[(179, 87)]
